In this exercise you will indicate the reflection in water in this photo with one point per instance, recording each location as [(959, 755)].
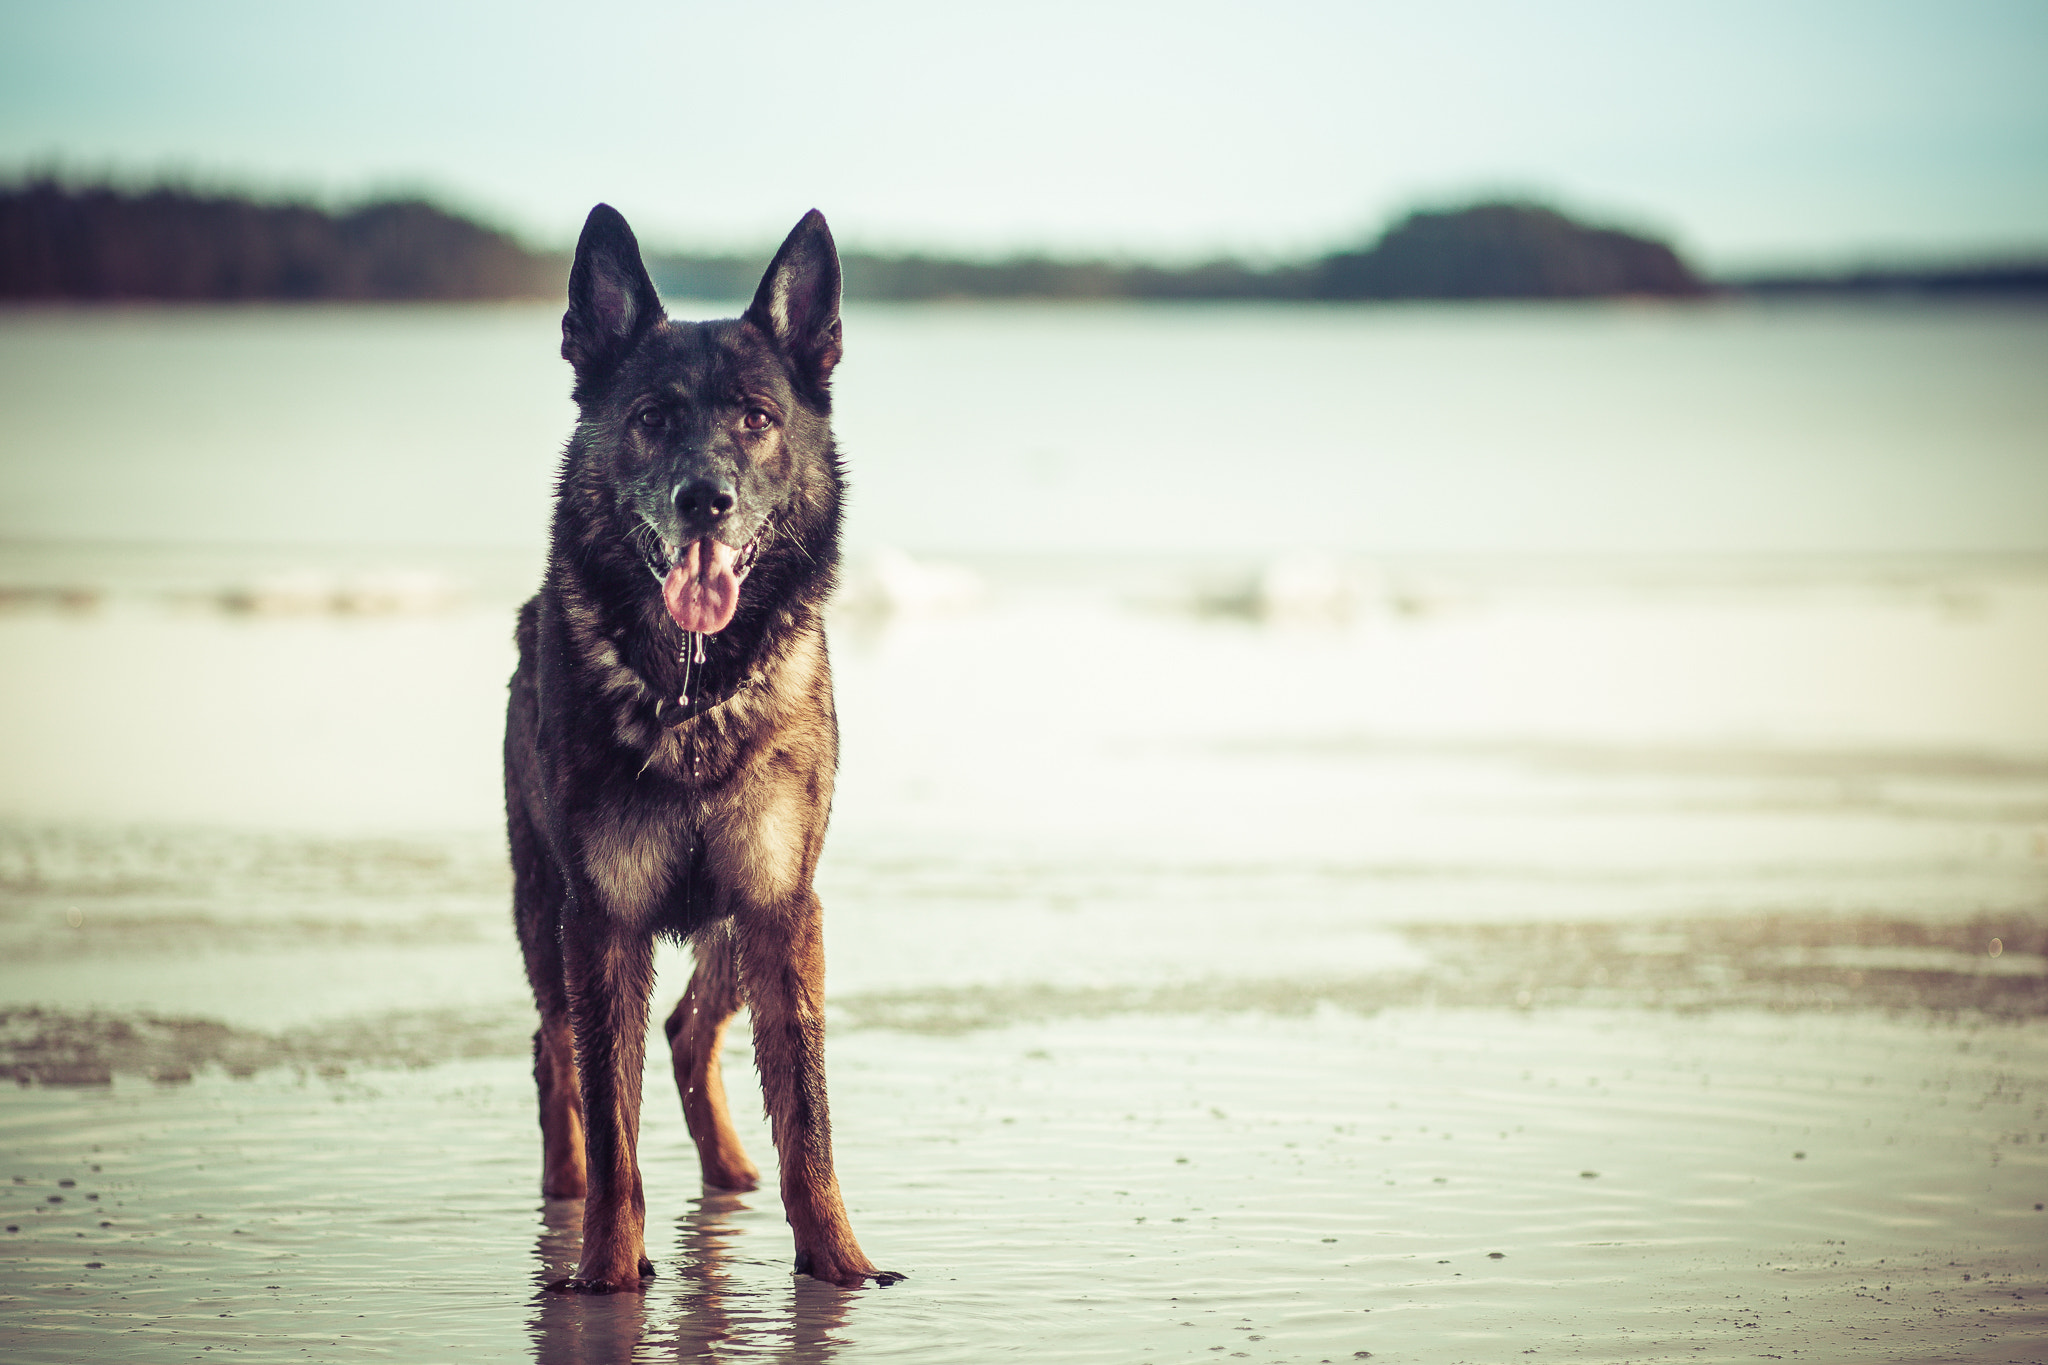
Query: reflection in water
[(704, 1245), (577, 1329), (715, 1314)]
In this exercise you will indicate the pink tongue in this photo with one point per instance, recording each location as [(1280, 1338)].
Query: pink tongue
[(702, 590)]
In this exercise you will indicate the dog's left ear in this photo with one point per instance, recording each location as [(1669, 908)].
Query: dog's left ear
[(798, 301)]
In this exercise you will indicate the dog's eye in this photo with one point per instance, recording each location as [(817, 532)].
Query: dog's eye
[(652, 418), (758, 419)]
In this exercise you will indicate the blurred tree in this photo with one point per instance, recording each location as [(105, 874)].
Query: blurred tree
[(58, 242), (98, 242), (1502, 251)]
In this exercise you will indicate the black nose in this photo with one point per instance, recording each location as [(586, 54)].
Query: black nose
[(704, 498)]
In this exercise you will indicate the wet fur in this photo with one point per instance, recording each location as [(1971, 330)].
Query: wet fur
[(634, 815)]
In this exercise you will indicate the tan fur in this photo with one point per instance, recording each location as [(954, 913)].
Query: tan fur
[(563, 1174), (630, 860), (696, 1031)]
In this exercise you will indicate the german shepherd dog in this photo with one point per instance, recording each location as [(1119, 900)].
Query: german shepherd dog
[(670, 742)]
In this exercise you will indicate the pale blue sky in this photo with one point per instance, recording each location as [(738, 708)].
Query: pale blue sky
[(1751, 132)]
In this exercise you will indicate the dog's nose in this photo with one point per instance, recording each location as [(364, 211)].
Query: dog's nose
[(704, 498)]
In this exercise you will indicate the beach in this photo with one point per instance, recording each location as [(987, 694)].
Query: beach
[(1288, 952)]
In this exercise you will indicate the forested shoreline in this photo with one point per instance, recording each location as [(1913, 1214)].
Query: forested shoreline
[(172, 244), (100, 243)]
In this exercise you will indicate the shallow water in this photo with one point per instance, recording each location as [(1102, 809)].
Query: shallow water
[(1431, 1186), (1731, 894), (1248, 955), (1079, 429)]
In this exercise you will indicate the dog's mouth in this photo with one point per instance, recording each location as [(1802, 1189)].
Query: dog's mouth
[(700, 582)]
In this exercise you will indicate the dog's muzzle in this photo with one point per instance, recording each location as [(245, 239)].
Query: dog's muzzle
[(700, 581)]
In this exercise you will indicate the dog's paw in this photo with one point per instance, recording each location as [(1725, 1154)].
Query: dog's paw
[(845, 1276), (583, 1283), (733, 1181), (576, 1284)]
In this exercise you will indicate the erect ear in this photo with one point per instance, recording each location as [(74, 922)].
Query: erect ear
[(798, 301), (611, 300)]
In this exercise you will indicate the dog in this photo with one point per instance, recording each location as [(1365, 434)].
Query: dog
[(671, 743)]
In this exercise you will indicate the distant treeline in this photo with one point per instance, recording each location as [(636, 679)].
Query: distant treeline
[(2020, 277), (59, 242), (62, 241), (1487, 251)]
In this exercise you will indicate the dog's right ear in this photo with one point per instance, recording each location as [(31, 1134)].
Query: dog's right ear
[(611, 300), (797, 303)]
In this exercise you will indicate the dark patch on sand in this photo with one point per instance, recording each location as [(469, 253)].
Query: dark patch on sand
[(1993, 969), (1757, 962), (55, 1047)]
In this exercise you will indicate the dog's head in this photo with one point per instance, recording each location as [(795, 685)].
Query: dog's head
[(702, 447)]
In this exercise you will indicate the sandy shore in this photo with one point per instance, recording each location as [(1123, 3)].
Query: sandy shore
[(1425, 1185), (1580, 971)]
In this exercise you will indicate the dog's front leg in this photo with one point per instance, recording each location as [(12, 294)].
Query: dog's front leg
[(610, 974), (782, 974)]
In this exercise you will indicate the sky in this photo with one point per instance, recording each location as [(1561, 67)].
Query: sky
[(1751, 134)]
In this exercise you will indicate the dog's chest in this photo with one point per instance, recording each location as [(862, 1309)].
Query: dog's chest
[(643, 856)]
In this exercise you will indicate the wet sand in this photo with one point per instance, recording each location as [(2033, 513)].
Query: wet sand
[(1578, 970), (1449, 1185)]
